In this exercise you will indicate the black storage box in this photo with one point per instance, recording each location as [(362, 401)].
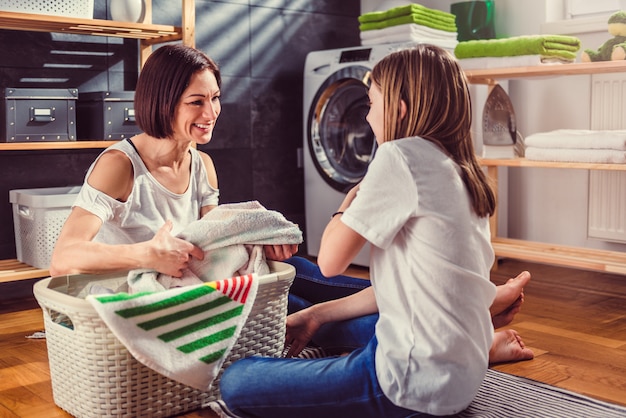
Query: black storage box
[(106, 115), (38, 115)]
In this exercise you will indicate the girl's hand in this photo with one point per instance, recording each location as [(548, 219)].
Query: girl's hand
[(280, 252), (171, 255), (301, 326)]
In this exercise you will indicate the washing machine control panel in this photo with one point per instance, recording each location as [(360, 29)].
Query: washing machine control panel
[(355, 55)]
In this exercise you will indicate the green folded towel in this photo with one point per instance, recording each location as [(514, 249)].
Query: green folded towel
[(417, 18), (560, 46), (407, 10)]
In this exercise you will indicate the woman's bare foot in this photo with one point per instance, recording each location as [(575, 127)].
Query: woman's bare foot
[(508, 300), (508, 346)]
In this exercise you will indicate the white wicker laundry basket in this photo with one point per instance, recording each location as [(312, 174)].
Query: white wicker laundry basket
[(94, 375)]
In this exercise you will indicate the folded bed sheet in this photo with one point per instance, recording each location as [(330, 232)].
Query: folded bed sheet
[(579, 139), (573, 155)]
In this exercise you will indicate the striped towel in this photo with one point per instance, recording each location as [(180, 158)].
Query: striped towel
[(183, 333)]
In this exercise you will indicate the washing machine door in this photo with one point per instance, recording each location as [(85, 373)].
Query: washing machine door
[(340, 140)]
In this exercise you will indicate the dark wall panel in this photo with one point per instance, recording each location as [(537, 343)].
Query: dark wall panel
[(260, 46)]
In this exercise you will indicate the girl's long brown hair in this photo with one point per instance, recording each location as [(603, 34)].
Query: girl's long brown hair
[(433, 86)]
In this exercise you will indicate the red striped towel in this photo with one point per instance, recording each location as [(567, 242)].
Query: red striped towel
[(183, 333)]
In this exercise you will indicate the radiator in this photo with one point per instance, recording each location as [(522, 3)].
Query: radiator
[(607, 189)]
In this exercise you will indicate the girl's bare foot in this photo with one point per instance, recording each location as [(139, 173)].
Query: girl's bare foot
[(508, 346), (508, 300)]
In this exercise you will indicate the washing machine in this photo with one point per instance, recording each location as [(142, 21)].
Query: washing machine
[(338, 142)]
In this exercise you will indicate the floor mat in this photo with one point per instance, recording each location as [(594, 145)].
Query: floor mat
[(503, 395)]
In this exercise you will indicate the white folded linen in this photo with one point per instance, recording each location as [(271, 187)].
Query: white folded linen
[(446, 44), (576, 155), (409, 29), (579, 139), (410, 33)]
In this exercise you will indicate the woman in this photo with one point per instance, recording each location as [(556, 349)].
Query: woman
[(141, 192), (424, 205)]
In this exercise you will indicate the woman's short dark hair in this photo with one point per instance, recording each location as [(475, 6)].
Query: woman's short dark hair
[(162, 81)]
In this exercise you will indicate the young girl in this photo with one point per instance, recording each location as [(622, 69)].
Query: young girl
[(424, 205)]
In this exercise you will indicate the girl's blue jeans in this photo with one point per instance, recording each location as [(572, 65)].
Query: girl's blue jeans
[(334, 387)]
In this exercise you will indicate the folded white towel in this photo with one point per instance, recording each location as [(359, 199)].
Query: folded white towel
[(409, 33), (409, 29), (579, 139), (574, 155), (445, 44)]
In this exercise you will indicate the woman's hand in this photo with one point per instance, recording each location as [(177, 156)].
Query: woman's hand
[(171, 255), (280, 252), (301, 326)]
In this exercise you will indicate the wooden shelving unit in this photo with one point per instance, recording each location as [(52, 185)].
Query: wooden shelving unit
[(521, 162), (147, 33), (583, 258), (97, 27), (491, 76), (33, 146)]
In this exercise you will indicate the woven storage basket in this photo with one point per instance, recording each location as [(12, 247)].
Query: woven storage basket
[(94, 375)]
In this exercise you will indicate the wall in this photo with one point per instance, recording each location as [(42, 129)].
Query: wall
[(261, 47)]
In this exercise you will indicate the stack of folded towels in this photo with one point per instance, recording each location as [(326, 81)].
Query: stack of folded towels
[(518, 51), (581, 146), (410, 23)]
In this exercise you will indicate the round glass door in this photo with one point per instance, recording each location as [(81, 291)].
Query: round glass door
[(341, 141)]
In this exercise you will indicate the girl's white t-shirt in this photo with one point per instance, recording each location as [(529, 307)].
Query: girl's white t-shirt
[(149, 204), (430, 263)]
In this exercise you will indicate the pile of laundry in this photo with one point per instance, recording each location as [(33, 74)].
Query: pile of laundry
[(577, 145), (518, 51), (412, 23)]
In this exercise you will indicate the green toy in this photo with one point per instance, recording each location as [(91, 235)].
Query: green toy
[(615, 48)]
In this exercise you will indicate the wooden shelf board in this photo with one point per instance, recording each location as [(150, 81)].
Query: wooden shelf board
[(32, 146), (81, 26), (573, 257), (522, 162), (488, 76), (13, 270)]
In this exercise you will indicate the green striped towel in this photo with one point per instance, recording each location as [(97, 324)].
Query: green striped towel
[(412, 13), (185, 333), (406, 10), (558, 46), (427, 21)]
